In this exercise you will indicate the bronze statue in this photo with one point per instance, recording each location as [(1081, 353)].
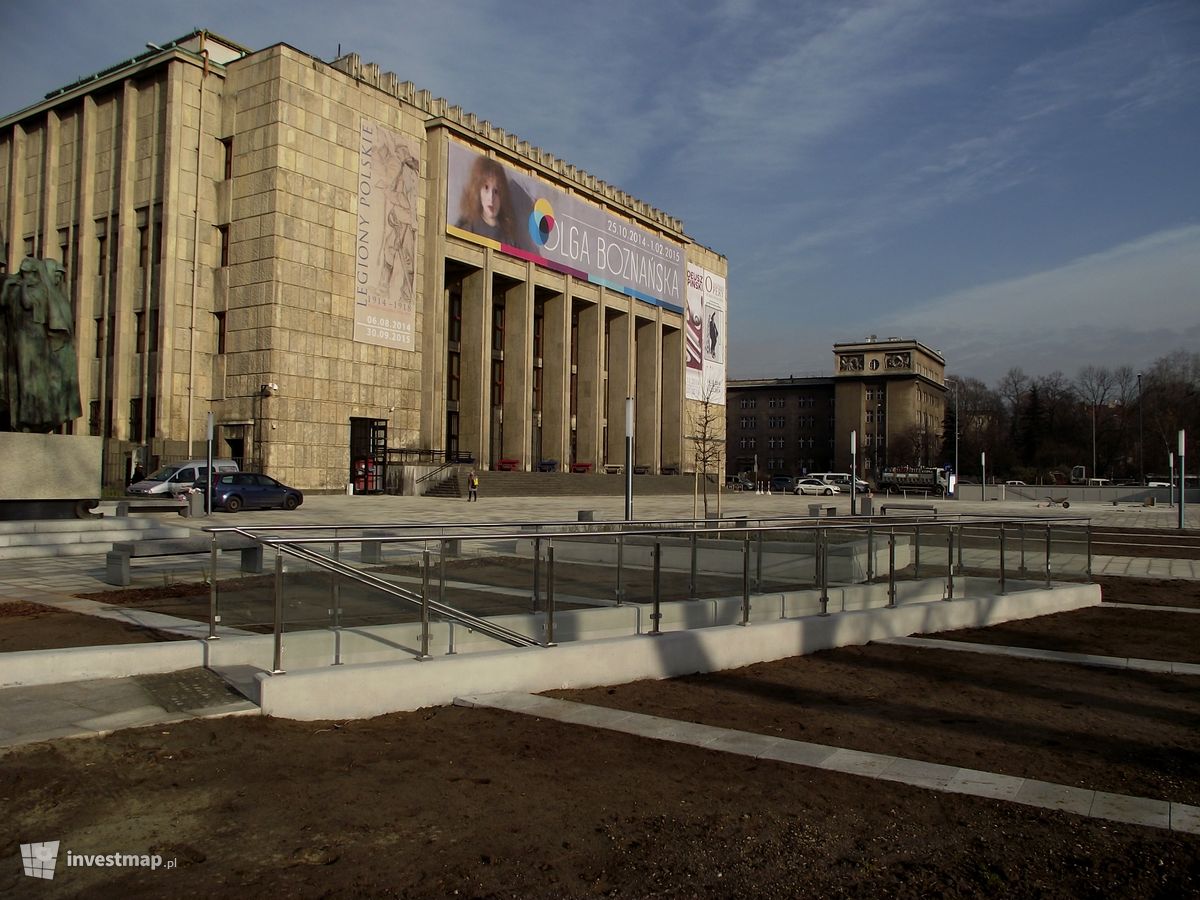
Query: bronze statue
[(39, 376)]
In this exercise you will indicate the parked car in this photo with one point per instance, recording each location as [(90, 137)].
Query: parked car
[(248, 490), (782, 483), (740, 483), (1016, 483), (815, 486), (178, 477)]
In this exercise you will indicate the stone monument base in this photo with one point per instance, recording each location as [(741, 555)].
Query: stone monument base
[(44, 476)]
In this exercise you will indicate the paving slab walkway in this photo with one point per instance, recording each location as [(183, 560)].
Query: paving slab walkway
[(951, 779), (1160, 666), (94, 708)]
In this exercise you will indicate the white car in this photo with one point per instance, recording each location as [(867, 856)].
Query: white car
[(815, 486)]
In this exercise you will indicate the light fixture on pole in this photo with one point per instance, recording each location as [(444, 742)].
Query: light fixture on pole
[(853, 470), (629, 459), (1171, 477), (1141, 446), (982, 474), (1182, 474)]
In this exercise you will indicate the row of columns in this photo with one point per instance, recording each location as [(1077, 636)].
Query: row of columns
[(637, 346)]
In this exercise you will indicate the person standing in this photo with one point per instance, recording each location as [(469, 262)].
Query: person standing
[(472, 487)]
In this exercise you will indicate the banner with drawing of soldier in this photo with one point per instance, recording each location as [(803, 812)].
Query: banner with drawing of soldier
[(385, 271)]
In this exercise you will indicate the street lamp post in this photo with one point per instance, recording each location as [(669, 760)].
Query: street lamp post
[(956, 430), (1141, 446)]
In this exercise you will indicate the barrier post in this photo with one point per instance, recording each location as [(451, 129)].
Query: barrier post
[(891, 568), (277, 664), (1002, 573), (692, 571), (950, 561), (549, 593), (823, 569), (213, 616), (745, 580), (424, 604), (655, 595)]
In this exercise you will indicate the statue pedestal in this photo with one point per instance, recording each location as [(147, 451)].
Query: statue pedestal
[(48, 476)]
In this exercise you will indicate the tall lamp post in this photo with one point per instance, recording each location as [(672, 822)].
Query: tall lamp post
[(1141, 446), (956, 430)]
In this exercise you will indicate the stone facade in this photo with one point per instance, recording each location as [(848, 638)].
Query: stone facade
[(891, 392), (205, 201)]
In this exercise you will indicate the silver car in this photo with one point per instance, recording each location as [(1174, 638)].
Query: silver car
[(815, 486)]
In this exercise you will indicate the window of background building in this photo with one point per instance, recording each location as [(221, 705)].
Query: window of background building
[(143, 246), (99, 337), (94, 417), (220, 330), (223, 233), (135, 419), (227, 153), (139, 327)]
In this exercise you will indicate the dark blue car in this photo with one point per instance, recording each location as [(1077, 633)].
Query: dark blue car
[(248, 490)]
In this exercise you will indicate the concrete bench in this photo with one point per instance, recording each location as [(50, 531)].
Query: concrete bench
[(508, 464), (910, 507), (548, 465), (116, 570), (581, 468), (814, 510), (163, 504)]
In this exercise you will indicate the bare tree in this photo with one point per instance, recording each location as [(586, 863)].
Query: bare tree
[(708, 437), (1094, 385)]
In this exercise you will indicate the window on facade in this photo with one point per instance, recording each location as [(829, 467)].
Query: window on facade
[(454, 322), (498, 326), (99, 337), (748, 422), (223, 232), (102, 255), (453, 376), (94, 417), (227, 148), (749, 402), (497, 383), (135, 419), (143, 246), (220, 329), (139, 326)]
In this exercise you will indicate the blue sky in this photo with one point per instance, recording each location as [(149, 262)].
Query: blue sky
[(1013, 183)]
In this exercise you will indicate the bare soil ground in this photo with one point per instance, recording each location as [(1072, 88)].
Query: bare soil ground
[(30, 626), (477, 803)]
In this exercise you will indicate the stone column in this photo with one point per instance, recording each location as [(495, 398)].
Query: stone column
[(474, 429), (620, 379), (556, 380), (672, 387), (518, 372), (589, 384), (648, 403)]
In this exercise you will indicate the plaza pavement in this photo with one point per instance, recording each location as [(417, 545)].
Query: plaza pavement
[(91, 708)]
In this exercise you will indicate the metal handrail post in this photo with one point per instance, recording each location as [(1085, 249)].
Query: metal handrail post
[(1047, 556), (870, 554), (537, 565), (655, 587), (213, 616), (1002, 573), (335, 591), (891, 568), (620, 568), (758, 579), (277, 664), (692, 573), (550, 593), (1021, 537), (424, 604), (960, 546), (745, 581), (442, 545), (950, 561), (917, 551), (1088, 538), (823, 569)]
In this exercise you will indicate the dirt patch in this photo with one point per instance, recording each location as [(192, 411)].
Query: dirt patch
[(457, 802), (1150, 591), (479, 803), (30, 626)]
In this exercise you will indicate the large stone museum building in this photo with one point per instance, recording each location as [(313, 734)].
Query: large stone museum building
[(344, 269)]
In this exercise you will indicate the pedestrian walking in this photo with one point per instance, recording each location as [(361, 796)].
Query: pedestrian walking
[(472, 487)]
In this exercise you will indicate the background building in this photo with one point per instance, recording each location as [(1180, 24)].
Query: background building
[(891, 392), (300, 248)]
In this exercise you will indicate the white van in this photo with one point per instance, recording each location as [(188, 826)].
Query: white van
[(176, 477), (842, 480)]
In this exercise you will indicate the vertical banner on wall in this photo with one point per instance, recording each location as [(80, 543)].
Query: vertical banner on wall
[(385, 265), (706, 338)]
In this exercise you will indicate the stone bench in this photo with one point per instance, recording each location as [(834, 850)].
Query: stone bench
[(166, 503), (116, 570), (910, 507)]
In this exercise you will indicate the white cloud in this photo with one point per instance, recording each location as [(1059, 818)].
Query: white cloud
[(1128, 304)]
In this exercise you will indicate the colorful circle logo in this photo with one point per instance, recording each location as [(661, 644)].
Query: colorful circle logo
[(541, 221)]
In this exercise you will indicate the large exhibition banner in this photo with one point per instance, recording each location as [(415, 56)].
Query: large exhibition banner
[(385, 270), (518, 214), (704, 335)]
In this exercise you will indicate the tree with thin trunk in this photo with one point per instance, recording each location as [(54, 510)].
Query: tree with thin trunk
[(708, 437)]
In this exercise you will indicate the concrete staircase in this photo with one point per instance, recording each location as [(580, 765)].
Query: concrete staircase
[(564, 484), (78, 537)]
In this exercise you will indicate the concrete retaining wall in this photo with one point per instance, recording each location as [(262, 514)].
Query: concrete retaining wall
[(368, 690)]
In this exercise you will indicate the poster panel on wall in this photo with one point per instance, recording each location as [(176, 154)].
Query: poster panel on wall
[(520, 215), (385, 271), (705, 338)]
